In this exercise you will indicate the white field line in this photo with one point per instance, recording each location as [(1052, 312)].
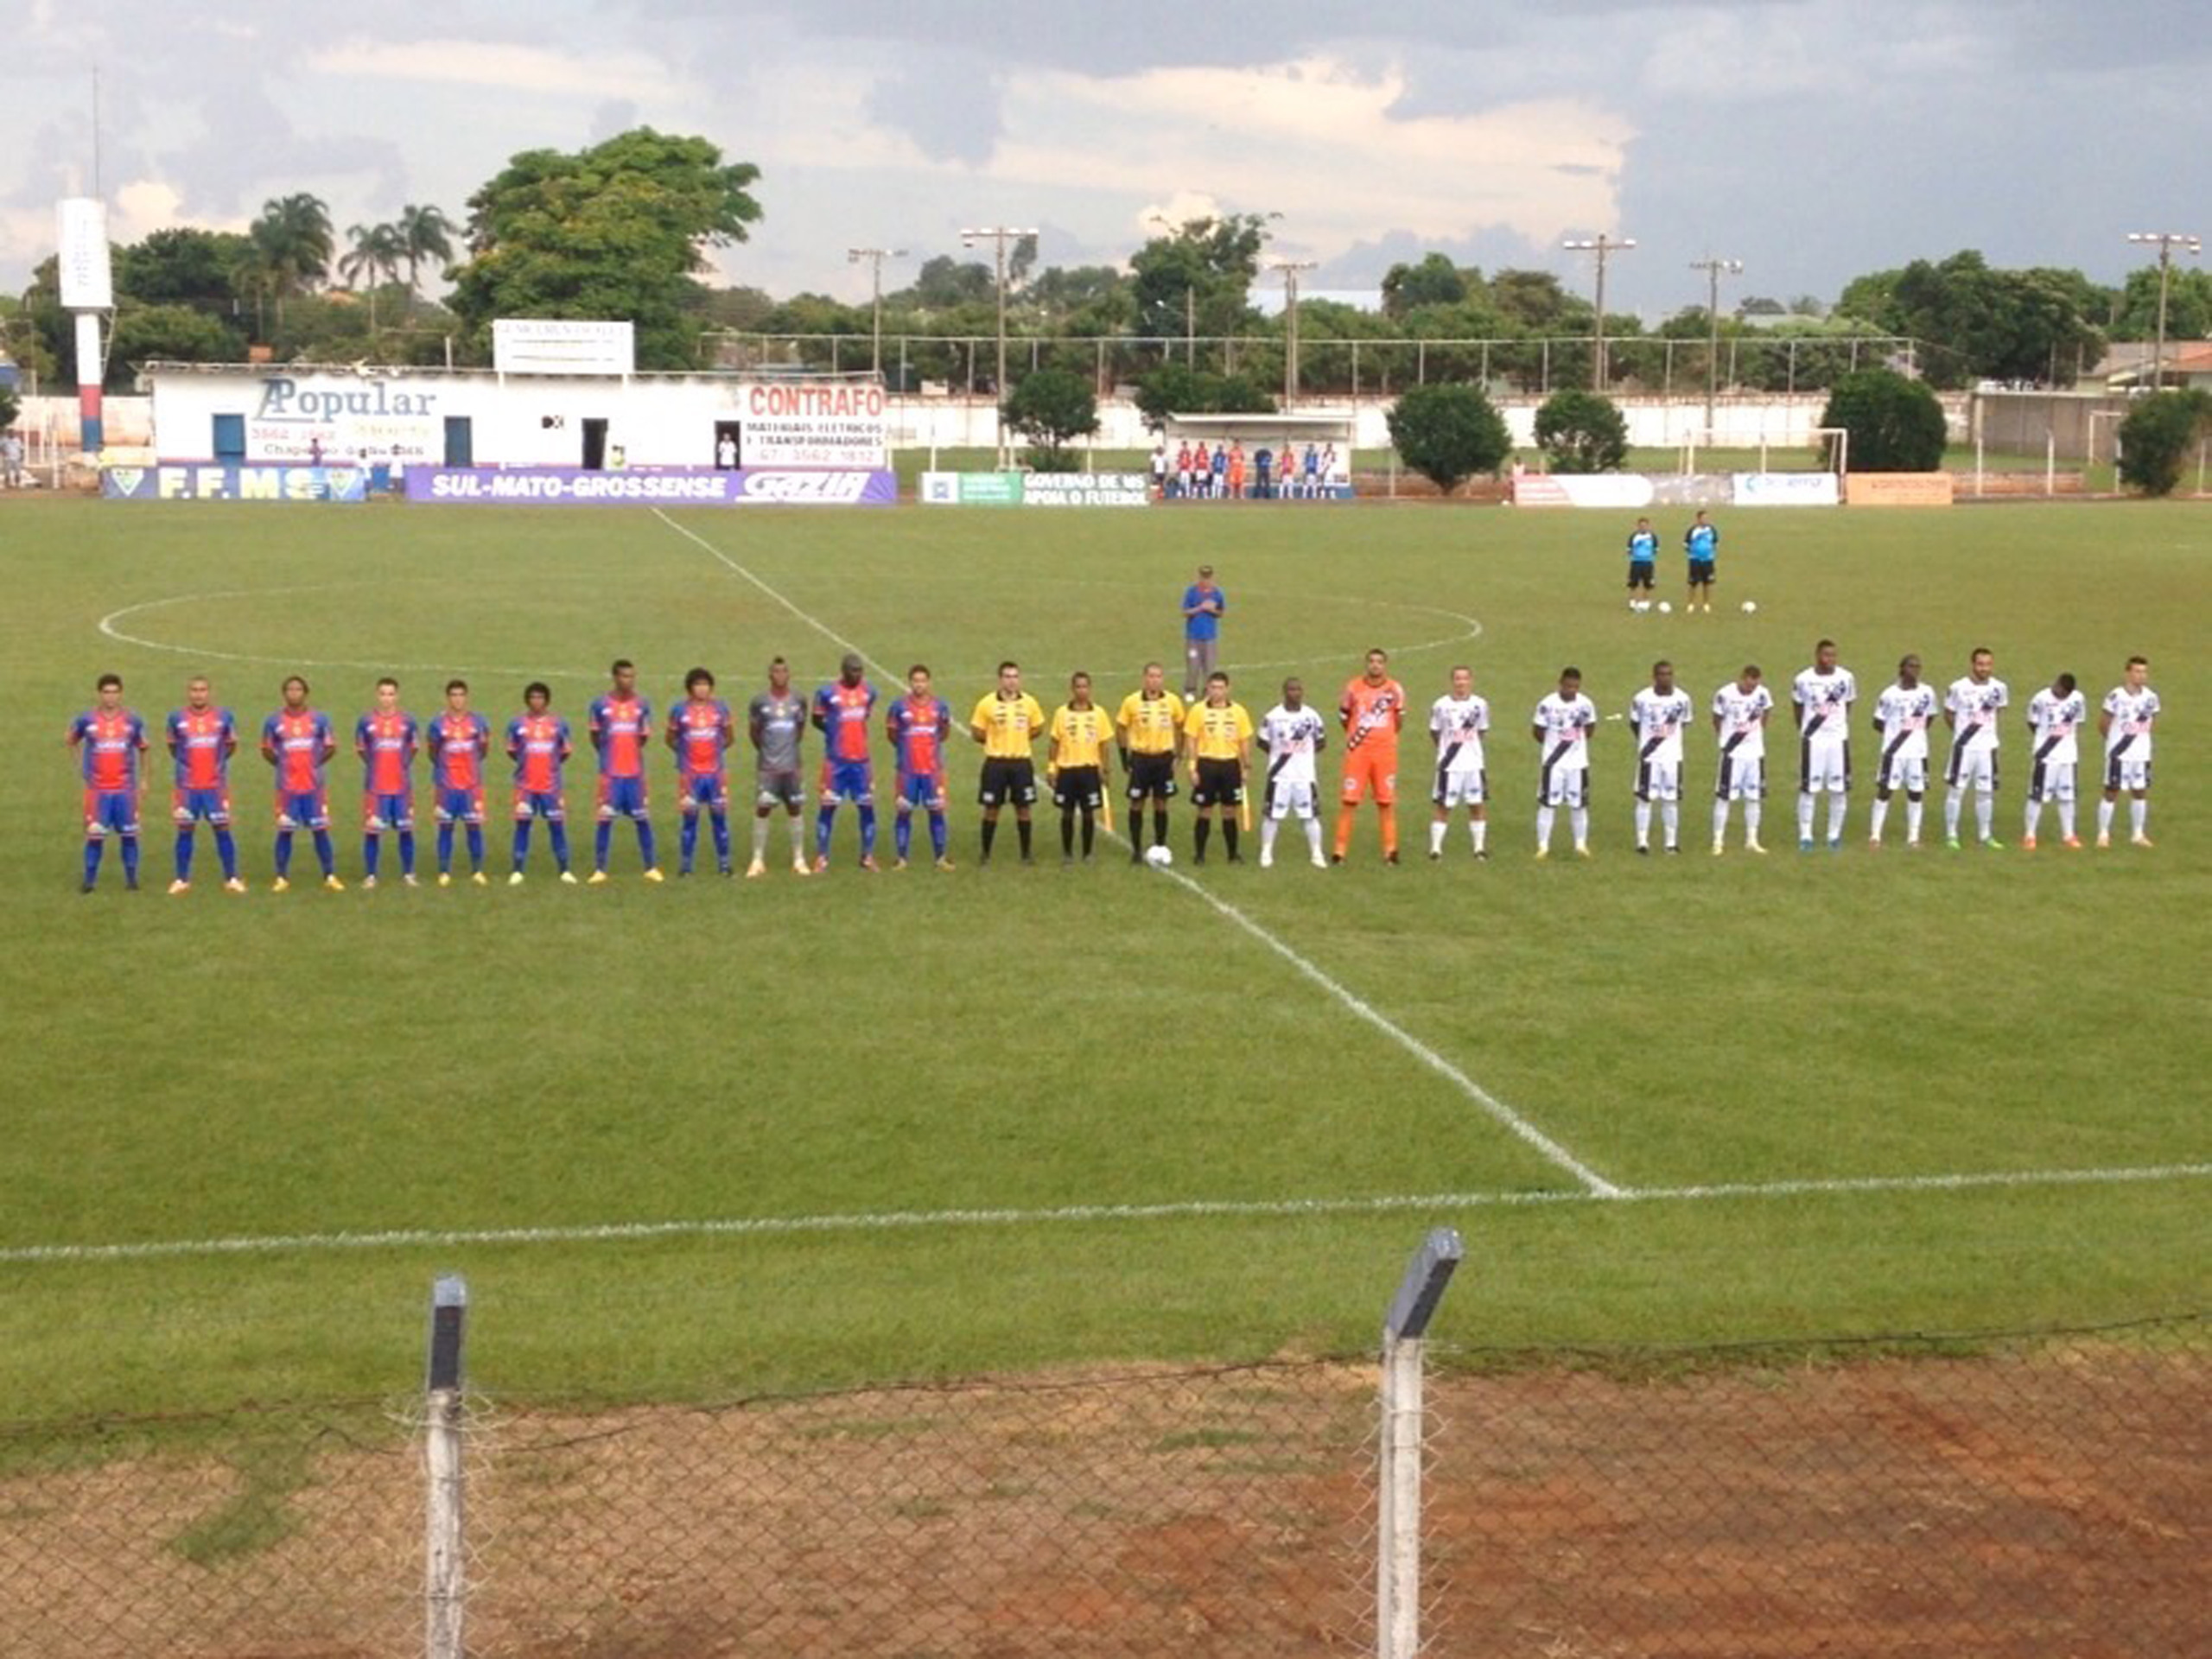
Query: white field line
[(107, 625), (893, 1221), (1496, 1110)]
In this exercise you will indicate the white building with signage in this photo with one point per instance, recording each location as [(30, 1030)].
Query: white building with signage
[(550, 413)]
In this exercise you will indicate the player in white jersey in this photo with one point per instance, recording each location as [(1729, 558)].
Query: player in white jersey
[(1291, 736), (1903, 715), (1740, 710), (1561, 727), (1661, 712), (1821, 701), (1970, 709), (2056, 715), (2131, 709), (1456, 722)]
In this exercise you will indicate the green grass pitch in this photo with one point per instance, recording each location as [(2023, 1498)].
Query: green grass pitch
[(216, 1067)]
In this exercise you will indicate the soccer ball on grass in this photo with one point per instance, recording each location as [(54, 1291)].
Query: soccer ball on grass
[(1666, 608), (1159, 857), (1750, 607)]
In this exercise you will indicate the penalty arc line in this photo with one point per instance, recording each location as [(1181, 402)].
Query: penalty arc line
[(1184, 1210), (1489, 1104)]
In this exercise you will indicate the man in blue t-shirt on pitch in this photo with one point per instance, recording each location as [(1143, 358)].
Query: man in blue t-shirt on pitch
[(1702, 541), (1203, 604), (1643, 563)]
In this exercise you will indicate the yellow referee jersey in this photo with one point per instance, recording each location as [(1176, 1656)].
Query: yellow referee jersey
[(1218, 733), (1009, 725), (1080, 735), (1150, 725)]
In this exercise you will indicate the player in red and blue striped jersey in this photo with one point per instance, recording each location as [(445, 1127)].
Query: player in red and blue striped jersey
[(621, 726), (297, 741), (917, 726), (841, 712), (459, 740), (700, 732), (202, 738), (538, 744), (386, 739), (110, 742)]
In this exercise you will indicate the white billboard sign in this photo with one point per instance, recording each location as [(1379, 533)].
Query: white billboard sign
[(555, 345), (838, 424), (87, 284)]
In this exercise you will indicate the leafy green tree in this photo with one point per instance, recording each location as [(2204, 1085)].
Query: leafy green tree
[(2033, 325), (185, 266), (2189, 305), (1049, 408), (1449, 433), (944, 281), (1434, 281), (1896, 423), (1198, 279), (174, 333), (1534, 301), (617, 231), (2158, 436), (1581, 432), (1172, 389), (10, 406)]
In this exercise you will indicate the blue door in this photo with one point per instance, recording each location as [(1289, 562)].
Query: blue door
[(230, 439), (461, 442)]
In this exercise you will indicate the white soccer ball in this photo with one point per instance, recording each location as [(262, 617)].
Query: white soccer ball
[(1160, 857), (1666, 607), (1751, 606)]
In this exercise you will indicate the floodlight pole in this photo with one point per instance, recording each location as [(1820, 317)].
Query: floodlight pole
[(1397, 1522), (875, 257), (999, 235), (1290, 269), (1603, 246), (2166, 242), (1713, 266)]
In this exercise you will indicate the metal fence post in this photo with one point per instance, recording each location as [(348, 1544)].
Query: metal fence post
[(445, 1584), (1397, 1525)]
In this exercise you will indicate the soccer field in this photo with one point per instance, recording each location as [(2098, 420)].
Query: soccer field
[(714, 1135)]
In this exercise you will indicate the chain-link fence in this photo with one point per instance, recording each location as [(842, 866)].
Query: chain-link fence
[(2044, 1494)]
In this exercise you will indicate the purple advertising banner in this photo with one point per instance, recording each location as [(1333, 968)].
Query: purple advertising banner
[(673, 486)]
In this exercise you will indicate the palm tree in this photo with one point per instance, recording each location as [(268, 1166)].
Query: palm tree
[(376, 254), (292, 241), (423, 233)]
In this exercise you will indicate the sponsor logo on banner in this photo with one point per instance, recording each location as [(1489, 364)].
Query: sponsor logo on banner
[(1582, 490), (379, 420), (1898, 490), (971, 489), (1692, 490), (785, 425), (689, 486), (1786, 490), (807, 489), (234, 483), (1086, 490)]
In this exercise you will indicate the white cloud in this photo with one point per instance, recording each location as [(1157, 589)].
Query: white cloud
[(507, 67), (1319, 142)]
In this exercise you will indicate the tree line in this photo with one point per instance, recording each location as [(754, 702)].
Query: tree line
[(625, 228)]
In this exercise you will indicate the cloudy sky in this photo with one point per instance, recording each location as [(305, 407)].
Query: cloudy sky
[(1813, 142)]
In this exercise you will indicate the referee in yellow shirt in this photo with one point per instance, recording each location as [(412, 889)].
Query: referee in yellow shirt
[(1220, 733), (1075, 765), (1007, 724), (1150, 728)]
